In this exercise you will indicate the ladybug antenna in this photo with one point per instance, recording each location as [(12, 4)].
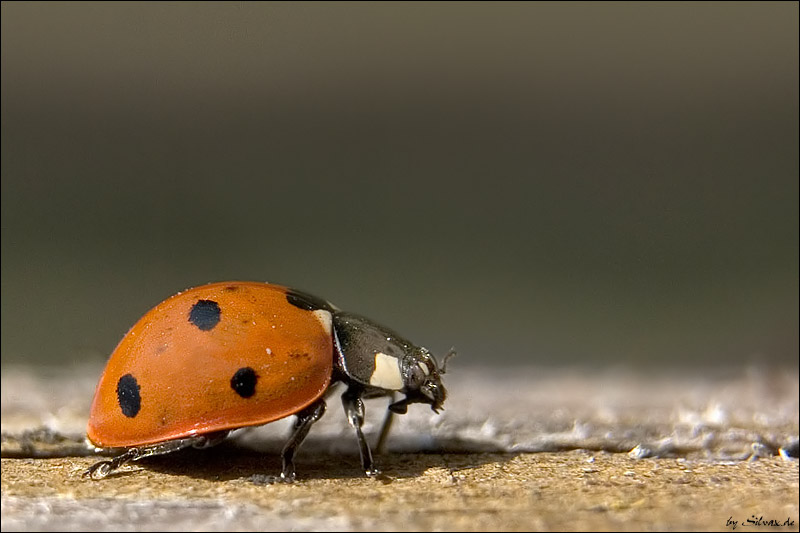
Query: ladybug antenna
[(450, 354)]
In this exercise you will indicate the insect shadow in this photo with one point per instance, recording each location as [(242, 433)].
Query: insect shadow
[(230, 461)]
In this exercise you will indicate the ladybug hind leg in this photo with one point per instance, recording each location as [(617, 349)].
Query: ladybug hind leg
[(102, 469), (305, 419)]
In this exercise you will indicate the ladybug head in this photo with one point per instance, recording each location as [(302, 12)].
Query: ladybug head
[(422, 377)]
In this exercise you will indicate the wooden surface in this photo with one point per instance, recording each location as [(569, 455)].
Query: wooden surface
[(522, 449)]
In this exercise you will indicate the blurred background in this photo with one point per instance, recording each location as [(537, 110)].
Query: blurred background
[(542, 183)]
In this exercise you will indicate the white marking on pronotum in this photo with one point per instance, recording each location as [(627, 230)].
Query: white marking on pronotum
[(387, 373), (424, 368), (326, 319)]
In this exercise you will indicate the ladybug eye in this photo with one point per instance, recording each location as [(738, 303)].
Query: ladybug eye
[(430, 366), (417, 376)]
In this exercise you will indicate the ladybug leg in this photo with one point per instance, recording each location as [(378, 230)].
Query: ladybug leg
[(305, 419), (101, 469), (385, 427), (354, 409)]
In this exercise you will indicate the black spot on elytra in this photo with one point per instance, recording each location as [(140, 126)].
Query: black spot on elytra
[(231, 288), (298, 355), (244, 382), (205, 314), (306, 301), (128, 395)]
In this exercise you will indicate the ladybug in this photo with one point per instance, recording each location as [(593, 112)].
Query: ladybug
[(228, 355)]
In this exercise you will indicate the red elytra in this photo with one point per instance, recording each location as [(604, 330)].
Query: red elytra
[(188, 365)]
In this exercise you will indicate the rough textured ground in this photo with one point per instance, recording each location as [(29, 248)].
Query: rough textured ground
[(528, 449)]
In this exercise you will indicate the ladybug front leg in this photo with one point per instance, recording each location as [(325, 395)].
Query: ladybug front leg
[(101, 469), (354, 409)]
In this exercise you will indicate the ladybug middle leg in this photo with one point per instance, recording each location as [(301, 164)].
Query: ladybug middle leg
[(101, 469)]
